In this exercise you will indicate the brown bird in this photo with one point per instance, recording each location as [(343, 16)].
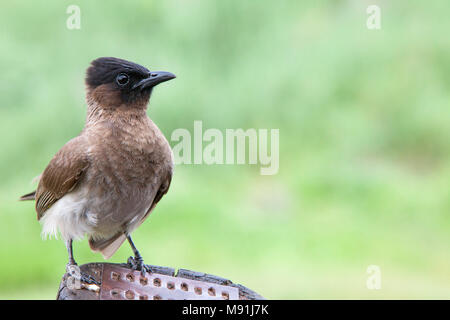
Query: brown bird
[(106, 181)]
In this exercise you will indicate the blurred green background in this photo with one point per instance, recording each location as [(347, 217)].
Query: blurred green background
[(364, 139)]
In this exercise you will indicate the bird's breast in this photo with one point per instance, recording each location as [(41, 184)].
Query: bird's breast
[(128, 164)]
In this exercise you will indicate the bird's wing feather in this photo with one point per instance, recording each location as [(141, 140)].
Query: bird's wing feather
[(61, 175), (159, 194), (28, 196)]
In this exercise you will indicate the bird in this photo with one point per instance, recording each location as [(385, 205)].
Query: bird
[(106, 181)]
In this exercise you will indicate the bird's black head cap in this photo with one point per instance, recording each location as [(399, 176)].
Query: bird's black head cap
[(125, 79)]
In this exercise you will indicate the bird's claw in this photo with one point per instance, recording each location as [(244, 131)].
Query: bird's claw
[(74, 271), (86, 278), (138, 264)]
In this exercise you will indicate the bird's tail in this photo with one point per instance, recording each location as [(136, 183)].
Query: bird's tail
[(28, 196), (109, 246)]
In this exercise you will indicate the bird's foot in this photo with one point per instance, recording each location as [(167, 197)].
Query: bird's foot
[(74, 271), (137, 263)]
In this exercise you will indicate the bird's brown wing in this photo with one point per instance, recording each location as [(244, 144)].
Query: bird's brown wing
[(61, 175), (159, 194)]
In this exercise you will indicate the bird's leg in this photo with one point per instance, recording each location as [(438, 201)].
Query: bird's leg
[(70, 252), (73, 269), (137, 263)]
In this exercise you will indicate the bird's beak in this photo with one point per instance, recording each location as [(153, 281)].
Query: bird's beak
[(155, 78)]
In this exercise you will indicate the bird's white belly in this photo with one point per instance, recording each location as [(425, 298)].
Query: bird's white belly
[(70, 216), (79, 213)]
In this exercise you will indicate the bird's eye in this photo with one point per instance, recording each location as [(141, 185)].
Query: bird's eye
[(122, 79)]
